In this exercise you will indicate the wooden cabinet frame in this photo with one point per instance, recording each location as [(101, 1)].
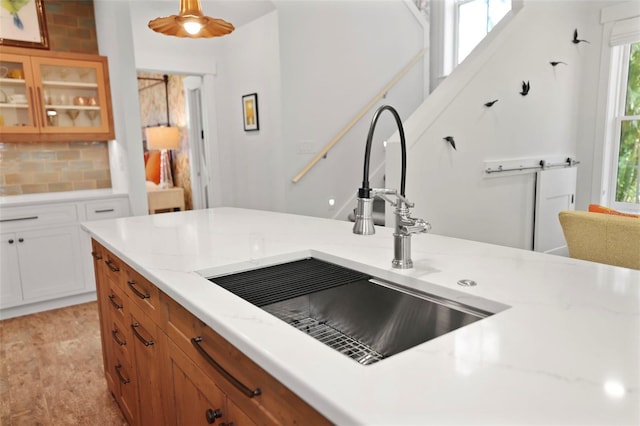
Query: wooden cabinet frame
[(45, 117), (176, 383)]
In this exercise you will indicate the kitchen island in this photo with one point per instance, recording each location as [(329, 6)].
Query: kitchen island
[(564, 347)]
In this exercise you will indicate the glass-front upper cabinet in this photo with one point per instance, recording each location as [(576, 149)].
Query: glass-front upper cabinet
[(54, 98)]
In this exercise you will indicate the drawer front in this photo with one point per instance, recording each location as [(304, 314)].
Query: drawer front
[(113, 268), (257, 394), (148, 348), (144, 294), (107, 209), (127, 383), (16, 218), (116, 302), (121, 340)]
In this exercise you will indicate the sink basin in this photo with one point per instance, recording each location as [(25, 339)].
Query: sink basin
[(363, 317)]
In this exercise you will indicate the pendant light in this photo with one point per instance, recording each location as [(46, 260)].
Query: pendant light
[(190, 22)]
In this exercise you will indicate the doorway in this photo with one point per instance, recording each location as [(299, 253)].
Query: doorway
[(189, 163)]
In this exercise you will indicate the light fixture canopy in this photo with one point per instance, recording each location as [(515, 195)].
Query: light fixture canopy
[(191, 22)]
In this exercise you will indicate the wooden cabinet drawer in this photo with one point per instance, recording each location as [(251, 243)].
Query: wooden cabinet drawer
[(144, 294), (126, 382), (253, 390), (115, 301), (113, 268), (148, 346), (121, 340)]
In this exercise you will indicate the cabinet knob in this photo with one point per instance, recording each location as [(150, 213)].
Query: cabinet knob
[(10, 241), (21, 240), (212, 415)]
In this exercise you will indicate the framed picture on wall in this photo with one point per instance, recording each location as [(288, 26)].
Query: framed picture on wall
[(23, 24), (250, 112)]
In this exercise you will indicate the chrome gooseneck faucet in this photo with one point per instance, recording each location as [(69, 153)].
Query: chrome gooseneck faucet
[(405, 225)]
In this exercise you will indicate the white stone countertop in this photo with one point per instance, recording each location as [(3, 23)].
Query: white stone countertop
[(58, 197), (565, 352)]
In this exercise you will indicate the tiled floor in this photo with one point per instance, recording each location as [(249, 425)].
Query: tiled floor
[(51, 370)]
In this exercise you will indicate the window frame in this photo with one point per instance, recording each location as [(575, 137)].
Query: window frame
[(620, 57)]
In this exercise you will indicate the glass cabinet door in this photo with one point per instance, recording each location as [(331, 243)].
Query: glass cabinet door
[(17, 97), (71, 96)]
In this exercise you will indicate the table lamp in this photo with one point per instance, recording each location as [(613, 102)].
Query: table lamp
[(163, 138)]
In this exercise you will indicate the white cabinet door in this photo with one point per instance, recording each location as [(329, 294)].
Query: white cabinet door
[(10, 289), (50, 263)]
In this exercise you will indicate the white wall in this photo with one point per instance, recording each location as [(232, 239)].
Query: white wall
[(251, 170), (555, 119), (314, 65), (335, 57)]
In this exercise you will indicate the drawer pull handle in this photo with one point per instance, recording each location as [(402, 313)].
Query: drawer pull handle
[(114, 303), (122, 379), (114, 333), (235, 382), (144, 341), (96, 256), (111, 266), (16, 219), (212, 415), (132, 286), (104, 211)]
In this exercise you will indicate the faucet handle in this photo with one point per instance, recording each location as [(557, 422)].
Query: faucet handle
[(417, 226)]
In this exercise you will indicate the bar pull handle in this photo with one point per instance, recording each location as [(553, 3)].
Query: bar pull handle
[(132, 286), (122, 379), (19, 219), (114, 303), (144, 341), (111, 266), (195, 341), (41, 104), (104, 211), (96, 256), (114, 333)]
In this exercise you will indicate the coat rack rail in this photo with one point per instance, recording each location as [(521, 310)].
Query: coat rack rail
[(542, 165)]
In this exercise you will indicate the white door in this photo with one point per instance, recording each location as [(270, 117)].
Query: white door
[(10, 288), (555, 191), (200, 184)]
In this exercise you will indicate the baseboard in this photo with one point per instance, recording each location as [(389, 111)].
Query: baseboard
[(47, 305)]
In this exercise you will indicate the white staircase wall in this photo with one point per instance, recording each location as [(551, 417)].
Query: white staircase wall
[(556, 119)]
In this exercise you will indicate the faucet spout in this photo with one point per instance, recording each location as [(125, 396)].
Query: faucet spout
[(405, 225)]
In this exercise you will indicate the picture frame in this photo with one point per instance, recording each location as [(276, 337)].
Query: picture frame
[(27, 27), (250, 112)]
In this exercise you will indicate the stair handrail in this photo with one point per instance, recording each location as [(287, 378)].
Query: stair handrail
[(357, 118)]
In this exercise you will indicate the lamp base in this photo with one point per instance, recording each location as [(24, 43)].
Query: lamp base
[(166, 179)]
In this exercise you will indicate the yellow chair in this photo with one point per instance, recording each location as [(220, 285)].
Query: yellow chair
[(603, 238)]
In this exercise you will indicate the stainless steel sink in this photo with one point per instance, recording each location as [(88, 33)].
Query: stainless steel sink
[(363, 317)]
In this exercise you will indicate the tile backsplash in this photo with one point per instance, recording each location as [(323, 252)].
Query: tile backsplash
[(28, 168)]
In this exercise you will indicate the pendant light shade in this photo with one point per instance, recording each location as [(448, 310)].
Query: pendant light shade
[(191, 23)]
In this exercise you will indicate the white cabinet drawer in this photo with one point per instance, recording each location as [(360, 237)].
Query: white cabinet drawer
[(14, 218), (107, 209)]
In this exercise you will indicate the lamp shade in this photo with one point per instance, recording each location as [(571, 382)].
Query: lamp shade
[(190, 22), (163, 137)]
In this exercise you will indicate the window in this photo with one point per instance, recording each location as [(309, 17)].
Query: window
[(475, 18), (624, 191)]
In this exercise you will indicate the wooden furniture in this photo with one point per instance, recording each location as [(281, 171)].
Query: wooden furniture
[(43, 260), (165, 199), (166, 367), (54, 96), (603, 238)]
